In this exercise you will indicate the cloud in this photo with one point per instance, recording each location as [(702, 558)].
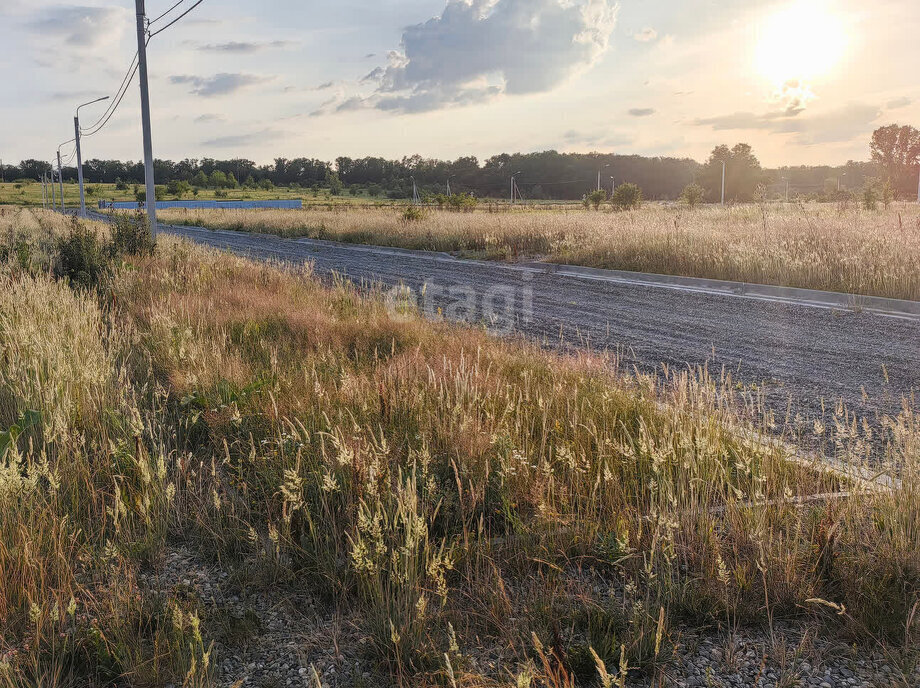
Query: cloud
[(219, 84), (834, 126), (647, 35), (641, 112), (243, 47), (210, 117), (325, 86), (77, 26), (479, 49), (898, 103), (240, 140)]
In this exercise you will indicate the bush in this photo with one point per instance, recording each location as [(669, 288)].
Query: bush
[(627, 197), (82, 259), (131, 235), (870, 197), (692, 195), (463, 202), (412, 213), (597, 197), (120, 185)]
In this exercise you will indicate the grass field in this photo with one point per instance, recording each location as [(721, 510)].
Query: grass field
[(447, 491), (815, 246), (31, 195)]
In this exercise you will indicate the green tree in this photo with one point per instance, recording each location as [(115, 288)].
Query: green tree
[(743, 173), (627, 197), (218, 179), (200, 180), (334, 183), (896, 149)]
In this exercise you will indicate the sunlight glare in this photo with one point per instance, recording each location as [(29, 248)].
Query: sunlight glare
[(801, 42)]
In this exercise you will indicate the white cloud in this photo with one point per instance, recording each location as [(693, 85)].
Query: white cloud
[(647, 35), (478, 49), (898, 103)]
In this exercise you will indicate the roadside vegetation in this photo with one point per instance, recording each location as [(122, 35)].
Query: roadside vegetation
[(837, 247), (448, 493)]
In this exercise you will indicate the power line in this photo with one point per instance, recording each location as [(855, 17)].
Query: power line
[(116, 101), (159, 31), (154, 21)]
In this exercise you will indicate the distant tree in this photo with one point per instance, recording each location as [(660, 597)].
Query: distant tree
[(896, 150), (692, 195), (870, 196), (597, 197), (627, 197), (200, 180), (177, 188), (250, 182), (887, 194), (743, 173), (266, 185), (218, 179), (374, 190), (120, 185), (232, 183), (334, 183)]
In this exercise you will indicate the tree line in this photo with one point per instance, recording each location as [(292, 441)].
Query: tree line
[(895, 160)]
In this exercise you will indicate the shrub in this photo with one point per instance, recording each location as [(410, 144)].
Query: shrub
[(82, 258), (412, 213), (692, 195), (597, 197), (627, 197), (131, 235), (870, 197)]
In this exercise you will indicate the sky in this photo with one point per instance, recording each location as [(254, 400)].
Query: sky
[(803, 81)]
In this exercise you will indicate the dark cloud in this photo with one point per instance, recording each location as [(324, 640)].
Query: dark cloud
[(244, 47), (219, 84), (239, 140), (478, 49), (641, 112), (80, 27), (325, 86), (842, 124), (898, 103)]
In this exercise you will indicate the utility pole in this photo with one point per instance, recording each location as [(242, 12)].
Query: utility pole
[(723, 182), (61, 178), (448, 186), (44, 193), (512, 189), (613, 186), (145, 114), (76, 127), (53, 198)]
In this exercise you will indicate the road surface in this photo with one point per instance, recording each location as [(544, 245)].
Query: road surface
[(793, 353)]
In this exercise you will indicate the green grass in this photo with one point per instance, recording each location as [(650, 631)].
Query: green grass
[(455, 491)]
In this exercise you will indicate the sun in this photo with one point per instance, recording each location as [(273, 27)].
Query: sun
[(801, 42)]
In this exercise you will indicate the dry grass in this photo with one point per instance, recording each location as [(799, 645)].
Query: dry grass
[(824, 247), (454, 489)]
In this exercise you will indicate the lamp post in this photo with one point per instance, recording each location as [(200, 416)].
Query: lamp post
[(599, 176), (448, 185), (613, 186), (513, 186), (61, 171), (76, 127)]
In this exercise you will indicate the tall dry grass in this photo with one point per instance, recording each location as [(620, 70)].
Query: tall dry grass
[(452, 489), (814, 246)]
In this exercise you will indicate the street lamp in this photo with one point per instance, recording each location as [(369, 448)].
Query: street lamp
[(613, 186), (513, 185), (61, 171), (76, 127), (843, 174), (599, 176), (448, 184)]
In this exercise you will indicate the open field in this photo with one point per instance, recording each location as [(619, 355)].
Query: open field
[(812, 246), (31, 195), (214, 469)]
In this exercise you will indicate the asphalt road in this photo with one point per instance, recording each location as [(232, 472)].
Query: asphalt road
[(793, 353)]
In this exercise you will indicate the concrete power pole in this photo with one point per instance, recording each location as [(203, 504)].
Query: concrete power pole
[(61, 178), (44, 193), (145, 114), (53, 196), (723, 182)]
